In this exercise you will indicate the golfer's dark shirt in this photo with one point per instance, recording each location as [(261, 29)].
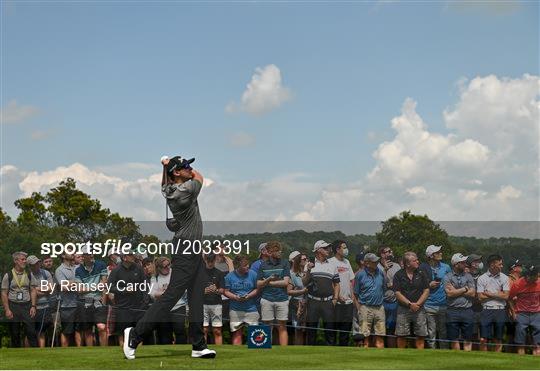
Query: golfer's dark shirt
[(182, 200), (411, 289), (124, 299)]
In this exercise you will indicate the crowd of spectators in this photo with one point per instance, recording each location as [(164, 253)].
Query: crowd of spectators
[(308, 299)]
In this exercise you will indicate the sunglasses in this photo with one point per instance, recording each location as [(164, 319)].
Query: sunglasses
[(387, 251), (166, 266)]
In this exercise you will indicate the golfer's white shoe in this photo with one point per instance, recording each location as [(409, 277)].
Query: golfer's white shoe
[(129, 352), (205, 353)]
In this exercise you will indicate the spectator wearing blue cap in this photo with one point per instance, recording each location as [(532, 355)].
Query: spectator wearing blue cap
[(435, 304), (390, 267)]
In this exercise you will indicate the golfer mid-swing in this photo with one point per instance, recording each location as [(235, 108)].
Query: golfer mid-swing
[(180, 186)]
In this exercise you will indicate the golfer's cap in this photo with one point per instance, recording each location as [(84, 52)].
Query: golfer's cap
[(32, 259), (261, 247), (177, 163), (432, 249), (371, 257), (293, 255), (512, 265), (473, 257), (321, 244), (458, 258)]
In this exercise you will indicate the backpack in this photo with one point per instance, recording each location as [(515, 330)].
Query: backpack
[(10, 278)]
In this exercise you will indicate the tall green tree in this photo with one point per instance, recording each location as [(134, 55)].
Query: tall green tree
[(409, 232)]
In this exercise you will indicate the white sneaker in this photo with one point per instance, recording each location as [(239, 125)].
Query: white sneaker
[(129, 352), (205, 353)]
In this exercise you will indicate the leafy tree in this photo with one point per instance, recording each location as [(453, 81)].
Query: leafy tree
[(409, 232)]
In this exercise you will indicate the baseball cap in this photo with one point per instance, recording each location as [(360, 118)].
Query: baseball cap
[(293, 255), (261, 247), (320, 244), (177, 163), (531, 271), (512, 265), (432, 249), (87, 250), (371, 257), (32, 259), (114, 251), (458, 258), (473, 257)]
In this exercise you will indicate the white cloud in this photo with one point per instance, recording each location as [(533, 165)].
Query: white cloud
[(508, 193), (461, 175), (14, 113), (264, 93), (241, 139)]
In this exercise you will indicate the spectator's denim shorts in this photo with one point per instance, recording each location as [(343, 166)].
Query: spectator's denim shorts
[(525, 320), (459, 321), (492, 323)]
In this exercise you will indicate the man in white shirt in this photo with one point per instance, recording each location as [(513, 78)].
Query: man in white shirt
[(343, 312), (493, 288)]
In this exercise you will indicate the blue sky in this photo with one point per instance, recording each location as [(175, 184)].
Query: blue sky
[(127, 82)]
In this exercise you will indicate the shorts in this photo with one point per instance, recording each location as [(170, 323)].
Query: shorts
[(404, 318), (524, 320), (459, 320), (390, 313), (213, 315), (372, 320), (492, 323), (271, 310), (240, 318), (43, 320), (91, 315), (69, 318)]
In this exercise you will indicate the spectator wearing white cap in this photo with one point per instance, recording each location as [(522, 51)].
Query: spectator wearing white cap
[(43, 282), (343, 312), (297, 296), (460, 292), (435, 304), (322, 282)]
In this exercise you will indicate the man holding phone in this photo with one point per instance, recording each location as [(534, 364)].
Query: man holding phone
[(435, 304), (273, 278)]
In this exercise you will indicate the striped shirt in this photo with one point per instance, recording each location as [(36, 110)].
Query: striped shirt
[(323, 276)]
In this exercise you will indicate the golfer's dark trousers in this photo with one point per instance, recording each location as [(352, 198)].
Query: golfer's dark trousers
[(188, 273), (21, 315), (343, 316), (317, 310)]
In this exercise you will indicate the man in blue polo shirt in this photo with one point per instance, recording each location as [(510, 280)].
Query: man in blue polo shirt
[(435, 305), (369, 290), (272, 279), (241, 289), (92, 310)]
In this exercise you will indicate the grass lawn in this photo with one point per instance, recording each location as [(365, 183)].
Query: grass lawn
[(229, 357)]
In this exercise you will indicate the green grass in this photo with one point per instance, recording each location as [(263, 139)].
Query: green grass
[(229, 357)]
